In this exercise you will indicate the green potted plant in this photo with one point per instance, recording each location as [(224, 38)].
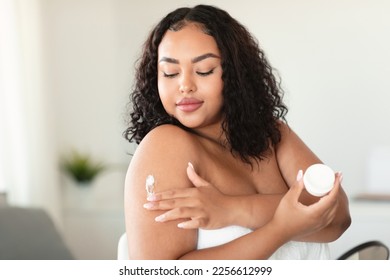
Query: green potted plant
[(81, 167)]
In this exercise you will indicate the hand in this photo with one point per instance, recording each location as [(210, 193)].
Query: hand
[(205, 206), (297, 220)]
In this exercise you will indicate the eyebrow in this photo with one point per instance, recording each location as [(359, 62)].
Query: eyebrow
[(194, 60)]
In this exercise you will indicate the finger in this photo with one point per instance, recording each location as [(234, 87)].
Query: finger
[(191, 224), (334, 192), (178, 213), (194, 177), (329, 200), (171, 194), (298, 187), (340, 177), (169, 204), (158, 206)]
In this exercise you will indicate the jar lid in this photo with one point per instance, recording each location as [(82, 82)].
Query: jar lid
[(319, 179)]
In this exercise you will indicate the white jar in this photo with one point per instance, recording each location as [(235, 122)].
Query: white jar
[(319, 179)]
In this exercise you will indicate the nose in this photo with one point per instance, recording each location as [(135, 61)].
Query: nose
[(187, 84)]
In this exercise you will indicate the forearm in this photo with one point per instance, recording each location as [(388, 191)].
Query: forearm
[(291, 221), (252, 211), (337, 227), (293, 154), (257, 245)]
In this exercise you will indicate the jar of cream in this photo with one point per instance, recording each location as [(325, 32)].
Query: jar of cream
[(319, 179)]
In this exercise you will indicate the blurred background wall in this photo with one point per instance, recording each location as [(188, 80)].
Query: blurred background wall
[(71, 64)]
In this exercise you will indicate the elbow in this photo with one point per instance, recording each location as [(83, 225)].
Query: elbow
[(345, 224), (340, 227), (343, 219)]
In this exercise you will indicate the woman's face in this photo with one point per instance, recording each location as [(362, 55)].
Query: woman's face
[(190, 77)]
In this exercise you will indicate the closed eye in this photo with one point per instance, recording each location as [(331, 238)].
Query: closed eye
[(166, 75), (205, 73)]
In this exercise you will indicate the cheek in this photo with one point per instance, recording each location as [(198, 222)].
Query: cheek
[(161, 86), (165, 84), (214, 88), (163, 89), (165, 93), (219, 95)]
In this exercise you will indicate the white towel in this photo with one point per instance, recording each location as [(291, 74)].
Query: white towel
[(292, 250)]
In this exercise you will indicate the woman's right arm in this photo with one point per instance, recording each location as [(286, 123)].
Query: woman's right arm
[(161, 154)]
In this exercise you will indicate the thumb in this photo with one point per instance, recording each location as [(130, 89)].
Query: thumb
[(298, 187), (194, 177)]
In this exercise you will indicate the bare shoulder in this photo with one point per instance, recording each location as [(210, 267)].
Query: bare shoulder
[(290, 141), (166, 149), (293, 154), (285, 130), (169, 136), (164, 153)]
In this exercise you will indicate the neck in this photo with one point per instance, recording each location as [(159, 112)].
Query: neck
[(214, 134)]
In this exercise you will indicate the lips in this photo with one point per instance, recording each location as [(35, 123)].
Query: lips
[(189, 104)]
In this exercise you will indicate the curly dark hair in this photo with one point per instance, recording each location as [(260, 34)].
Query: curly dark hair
[(252, 105)]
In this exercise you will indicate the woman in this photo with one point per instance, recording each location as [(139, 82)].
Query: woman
[(206, 99)]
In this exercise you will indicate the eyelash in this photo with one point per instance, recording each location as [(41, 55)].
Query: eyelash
[(170, 76), (202, 74)]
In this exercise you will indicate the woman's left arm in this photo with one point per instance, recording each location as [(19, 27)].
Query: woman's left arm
[(293, 154)]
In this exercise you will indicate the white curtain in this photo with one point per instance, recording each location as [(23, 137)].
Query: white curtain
[(28, 165)]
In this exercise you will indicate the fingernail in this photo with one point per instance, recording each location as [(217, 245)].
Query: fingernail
[(341, 177), (148, 205), (181, 225), (151, 197), (299, 175), (160, 218), (190, 165)]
